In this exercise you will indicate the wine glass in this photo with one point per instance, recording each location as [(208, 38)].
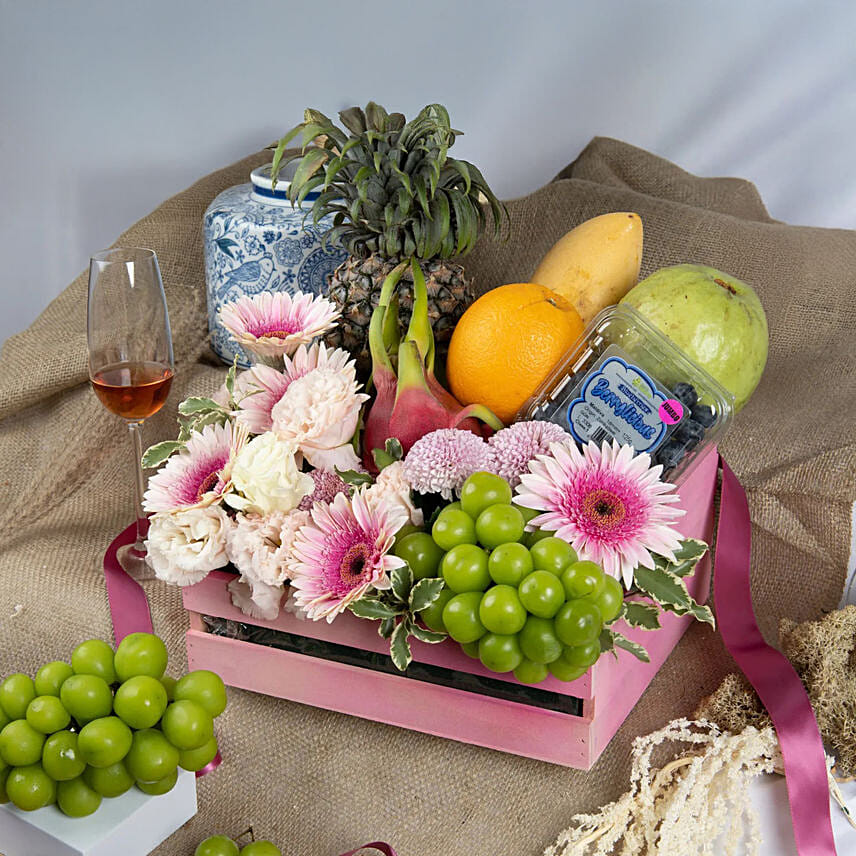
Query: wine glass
[(130, 358)]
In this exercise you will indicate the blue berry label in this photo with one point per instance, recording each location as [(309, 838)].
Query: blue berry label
[(617, 400)]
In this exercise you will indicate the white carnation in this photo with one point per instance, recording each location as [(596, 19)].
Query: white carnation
[(391, 486), (260, 546), (183, 547), (319, 413), (265, 477), (255, 599)]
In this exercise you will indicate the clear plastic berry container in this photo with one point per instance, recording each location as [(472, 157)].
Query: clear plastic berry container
[(625, 380)]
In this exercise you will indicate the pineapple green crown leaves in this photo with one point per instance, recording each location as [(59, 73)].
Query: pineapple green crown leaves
[(390, 184)]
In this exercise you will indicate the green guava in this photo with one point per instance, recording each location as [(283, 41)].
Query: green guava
[(715, 319)]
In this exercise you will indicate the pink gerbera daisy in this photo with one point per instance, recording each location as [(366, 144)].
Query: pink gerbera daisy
[(260, 388), (274, 324), (198, 475), (343, 553), (608, 503)]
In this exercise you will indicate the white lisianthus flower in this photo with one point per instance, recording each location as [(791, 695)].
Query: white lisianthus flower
[(265, 477), (391, 486), (183, 547), (318, 413)]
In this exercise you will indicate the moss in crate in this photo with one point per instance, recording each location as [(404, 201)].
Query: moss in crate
[(482, 685)]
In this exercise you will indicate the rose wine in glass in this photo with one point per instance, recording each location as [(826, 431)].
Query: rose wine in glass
[(130, 358)]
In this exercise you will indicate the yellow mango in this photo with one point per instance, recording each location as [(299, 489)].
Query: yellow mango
[(594, 265)]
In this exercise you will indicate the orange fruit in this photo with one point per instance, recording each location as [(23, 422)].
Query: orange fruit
[(505, 344)]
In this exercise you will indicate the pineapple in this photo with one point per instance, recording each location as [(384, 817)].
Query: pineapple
[(394, 194)]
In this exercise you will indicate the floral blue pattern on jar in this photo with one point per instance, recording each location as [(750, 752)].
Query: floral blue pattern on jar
[(255, 241)]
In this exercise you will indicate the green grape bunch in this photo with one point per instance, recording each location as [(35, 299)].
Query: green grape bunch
[(519, 602), (105, 722)]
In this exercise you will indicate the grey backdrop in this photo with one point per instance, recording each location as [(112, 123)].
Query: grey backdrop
[(108, 107)]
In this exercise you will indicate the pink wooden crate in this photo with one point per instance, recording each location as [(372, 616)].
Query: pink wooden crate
[(600, 699)]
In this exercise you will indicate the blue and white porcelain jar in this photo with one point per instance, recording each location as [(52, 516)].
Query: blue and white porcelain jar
[(255, 241)]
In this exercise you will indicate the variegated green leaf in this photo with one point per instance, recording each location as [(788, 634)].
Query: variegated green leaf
[(429, 636), (196, 404), (353, 477), (670, 591), (643, 615), (688, 555), (385, 628), (607, 641), (371, 607), (402, 582), (399, 646), (621, 641), (155, 455), (424, 593)]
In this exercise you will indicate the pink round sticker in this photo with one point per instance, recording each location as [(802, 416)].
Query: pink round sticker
[(671, 411)]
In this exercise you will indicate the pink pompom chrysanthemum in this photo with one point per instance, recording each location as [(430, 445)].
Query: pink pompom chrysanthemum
[(198, 476), (343, 553), (514, 447), (441, 461), (327, 486), (272, 325), (259, 389), (608, 503)]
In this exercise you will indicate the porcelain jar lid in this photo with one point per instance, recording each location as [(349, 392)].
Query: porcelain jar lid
[(263, 185)]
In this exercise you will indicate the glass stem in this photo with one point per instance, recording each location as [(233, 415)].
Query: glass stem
[(135, 429)]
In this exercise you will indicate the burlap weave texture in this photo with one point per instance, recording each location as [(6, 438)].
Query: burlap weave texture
[(320, 782)]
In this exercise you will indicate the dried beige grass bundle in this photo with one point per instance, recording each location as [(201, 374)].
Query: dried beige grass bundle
[(697, 804)]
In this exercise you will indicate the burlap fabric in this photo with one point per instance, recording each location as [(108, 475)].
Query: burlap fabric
[(320, 782)]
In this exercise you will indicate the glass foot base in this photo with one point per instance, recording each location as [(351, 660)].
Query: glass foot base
[(133, 562)]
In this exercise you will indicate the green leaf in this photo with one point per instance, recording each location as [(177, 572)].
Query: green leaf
[(198, 405), (399, 647), (371, 607), (353, 477), (391, 453), (376, 116), (230, 378), (670, 591), (155, 455), (428, 636), (311, 130), (461, 168), (276, 165), (382, 459), (422, 195), (607, 642), (402, 582), (643, 615), (307, 188), (633, 647), (424, 593), (385, 628), (353, 119), (309, 164), (394, 449), (212, 417), (688, 555)]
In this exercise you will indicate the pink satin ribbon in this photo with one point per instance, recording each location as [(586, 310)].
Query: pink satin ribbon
[(376, 845), (129, 606), (771, 674)]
